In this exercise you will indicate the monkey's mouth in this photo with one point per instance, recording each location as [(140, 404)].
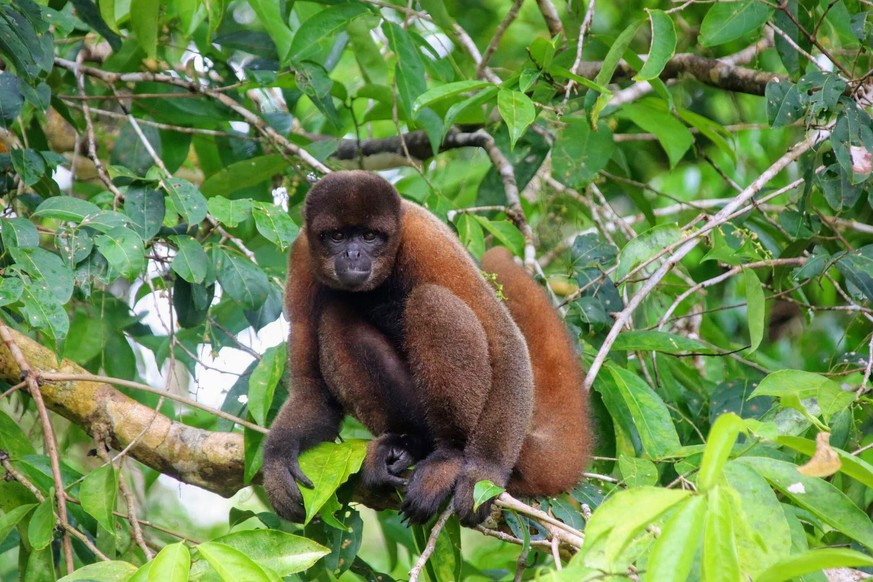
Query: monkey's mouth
[(352, 278)]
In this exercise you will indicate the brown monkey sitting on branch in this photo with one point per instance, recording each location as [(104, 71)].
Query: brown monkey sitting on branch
[(393, 323)]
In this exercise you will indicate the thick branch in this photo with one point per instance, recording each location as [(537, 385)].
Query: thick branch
[(211, 460)]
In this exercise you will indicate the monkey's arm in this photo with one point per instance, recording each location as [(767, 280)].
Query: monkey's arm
[(311, 415)]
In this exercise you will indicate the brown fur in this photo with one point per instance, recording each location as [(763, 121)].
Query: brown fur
[(426, 357), (559, 441)]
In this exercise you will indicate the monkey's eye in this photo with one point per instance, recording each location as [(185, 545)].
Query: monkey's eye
[(369, 235), (337, 236)]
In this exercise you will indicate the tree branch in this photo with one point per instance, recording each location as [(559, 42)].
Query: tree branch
[(211, 460)]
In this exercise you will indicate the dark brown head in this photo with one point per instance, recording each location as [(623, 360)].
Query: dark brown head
[(352, 222)]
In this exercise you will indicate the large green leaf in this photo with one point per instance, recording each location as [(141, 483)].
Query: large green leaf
[(41, 529), (274, 224), (755, 309), (191, 261), (580, 151), (244, 174), (47, 271), (66, 208), (673, 552), (622, 517), (328, 466), (640, 412), (726, 21), (112, 571), (124, 250), (171, 564), (318, 33), (187, 199), (792, 385), (281, 552), (145, 22), (653, 117), (145, 208), (233, 565), (97, 495), (663, 45), (819, 497), (518, 111), (244, 281), (720, 560), (263, 381), (722, 437), (793, 567), (42, 311)]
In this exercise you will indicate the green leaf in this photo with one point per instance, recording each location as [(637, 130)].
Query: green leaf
[(673, 552), (229, 212), (13, 440), (658, 341), (722, 437), (105, 220), (328, 465), (97, 494), (727, 21), (637, 472), (263, 381), (48, 271), (41, 529), (607, 68), (66, 208), (663, 45), (447, 91), (18, 233), (10, 519), (483, 491), (187, 199), (784, 105), (857, 267), (581, 152), (819, 497), (124, 251), (144, 21), (409, 71), (795, 566), (233, 565), (518, 111), (112, 571), (622, 517), (11, 289), (191, 261), (645, 246), (281, 552), (317, 34), (242, 280), (171, 564), (505, 232), (652, 116), (763, 534), (712, 130), (755, 309), (720, 560), (270, 16), (42, 310), (145, 207), (274, 224), (640, 412), (801, 384), (243, 174), (11, 100), (29, 165)]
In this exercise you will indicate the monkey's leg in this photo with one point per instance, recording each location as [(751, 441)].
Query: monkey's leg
[(448, 353), (373, 382)]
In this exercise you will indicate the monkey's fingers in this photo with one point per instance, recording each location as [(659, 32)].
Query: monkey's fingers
[(298, 474)]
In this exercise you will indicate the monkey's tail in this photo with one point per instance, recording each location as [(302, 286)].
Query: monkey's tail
[(558, 444)]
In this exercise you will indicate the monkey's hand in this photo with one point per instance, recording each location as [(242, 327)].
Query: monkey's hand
[(281, 473), (389, 456), (471, 473)]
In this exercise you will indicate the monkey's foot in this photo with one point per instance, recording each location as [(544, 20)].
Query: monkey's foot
[(431, 484)]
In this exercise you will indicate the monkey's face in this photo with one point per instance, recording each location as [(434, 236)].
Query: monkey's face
[(353, 228), (354, 258)]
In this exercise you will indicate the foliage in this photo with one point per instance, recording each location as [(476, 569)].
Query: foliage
[(705, 223)]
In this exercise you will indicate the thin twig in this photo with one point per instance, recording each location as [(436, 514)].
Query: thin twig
[(415, 572), (689, 244), (51, 445), (498, 34)]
